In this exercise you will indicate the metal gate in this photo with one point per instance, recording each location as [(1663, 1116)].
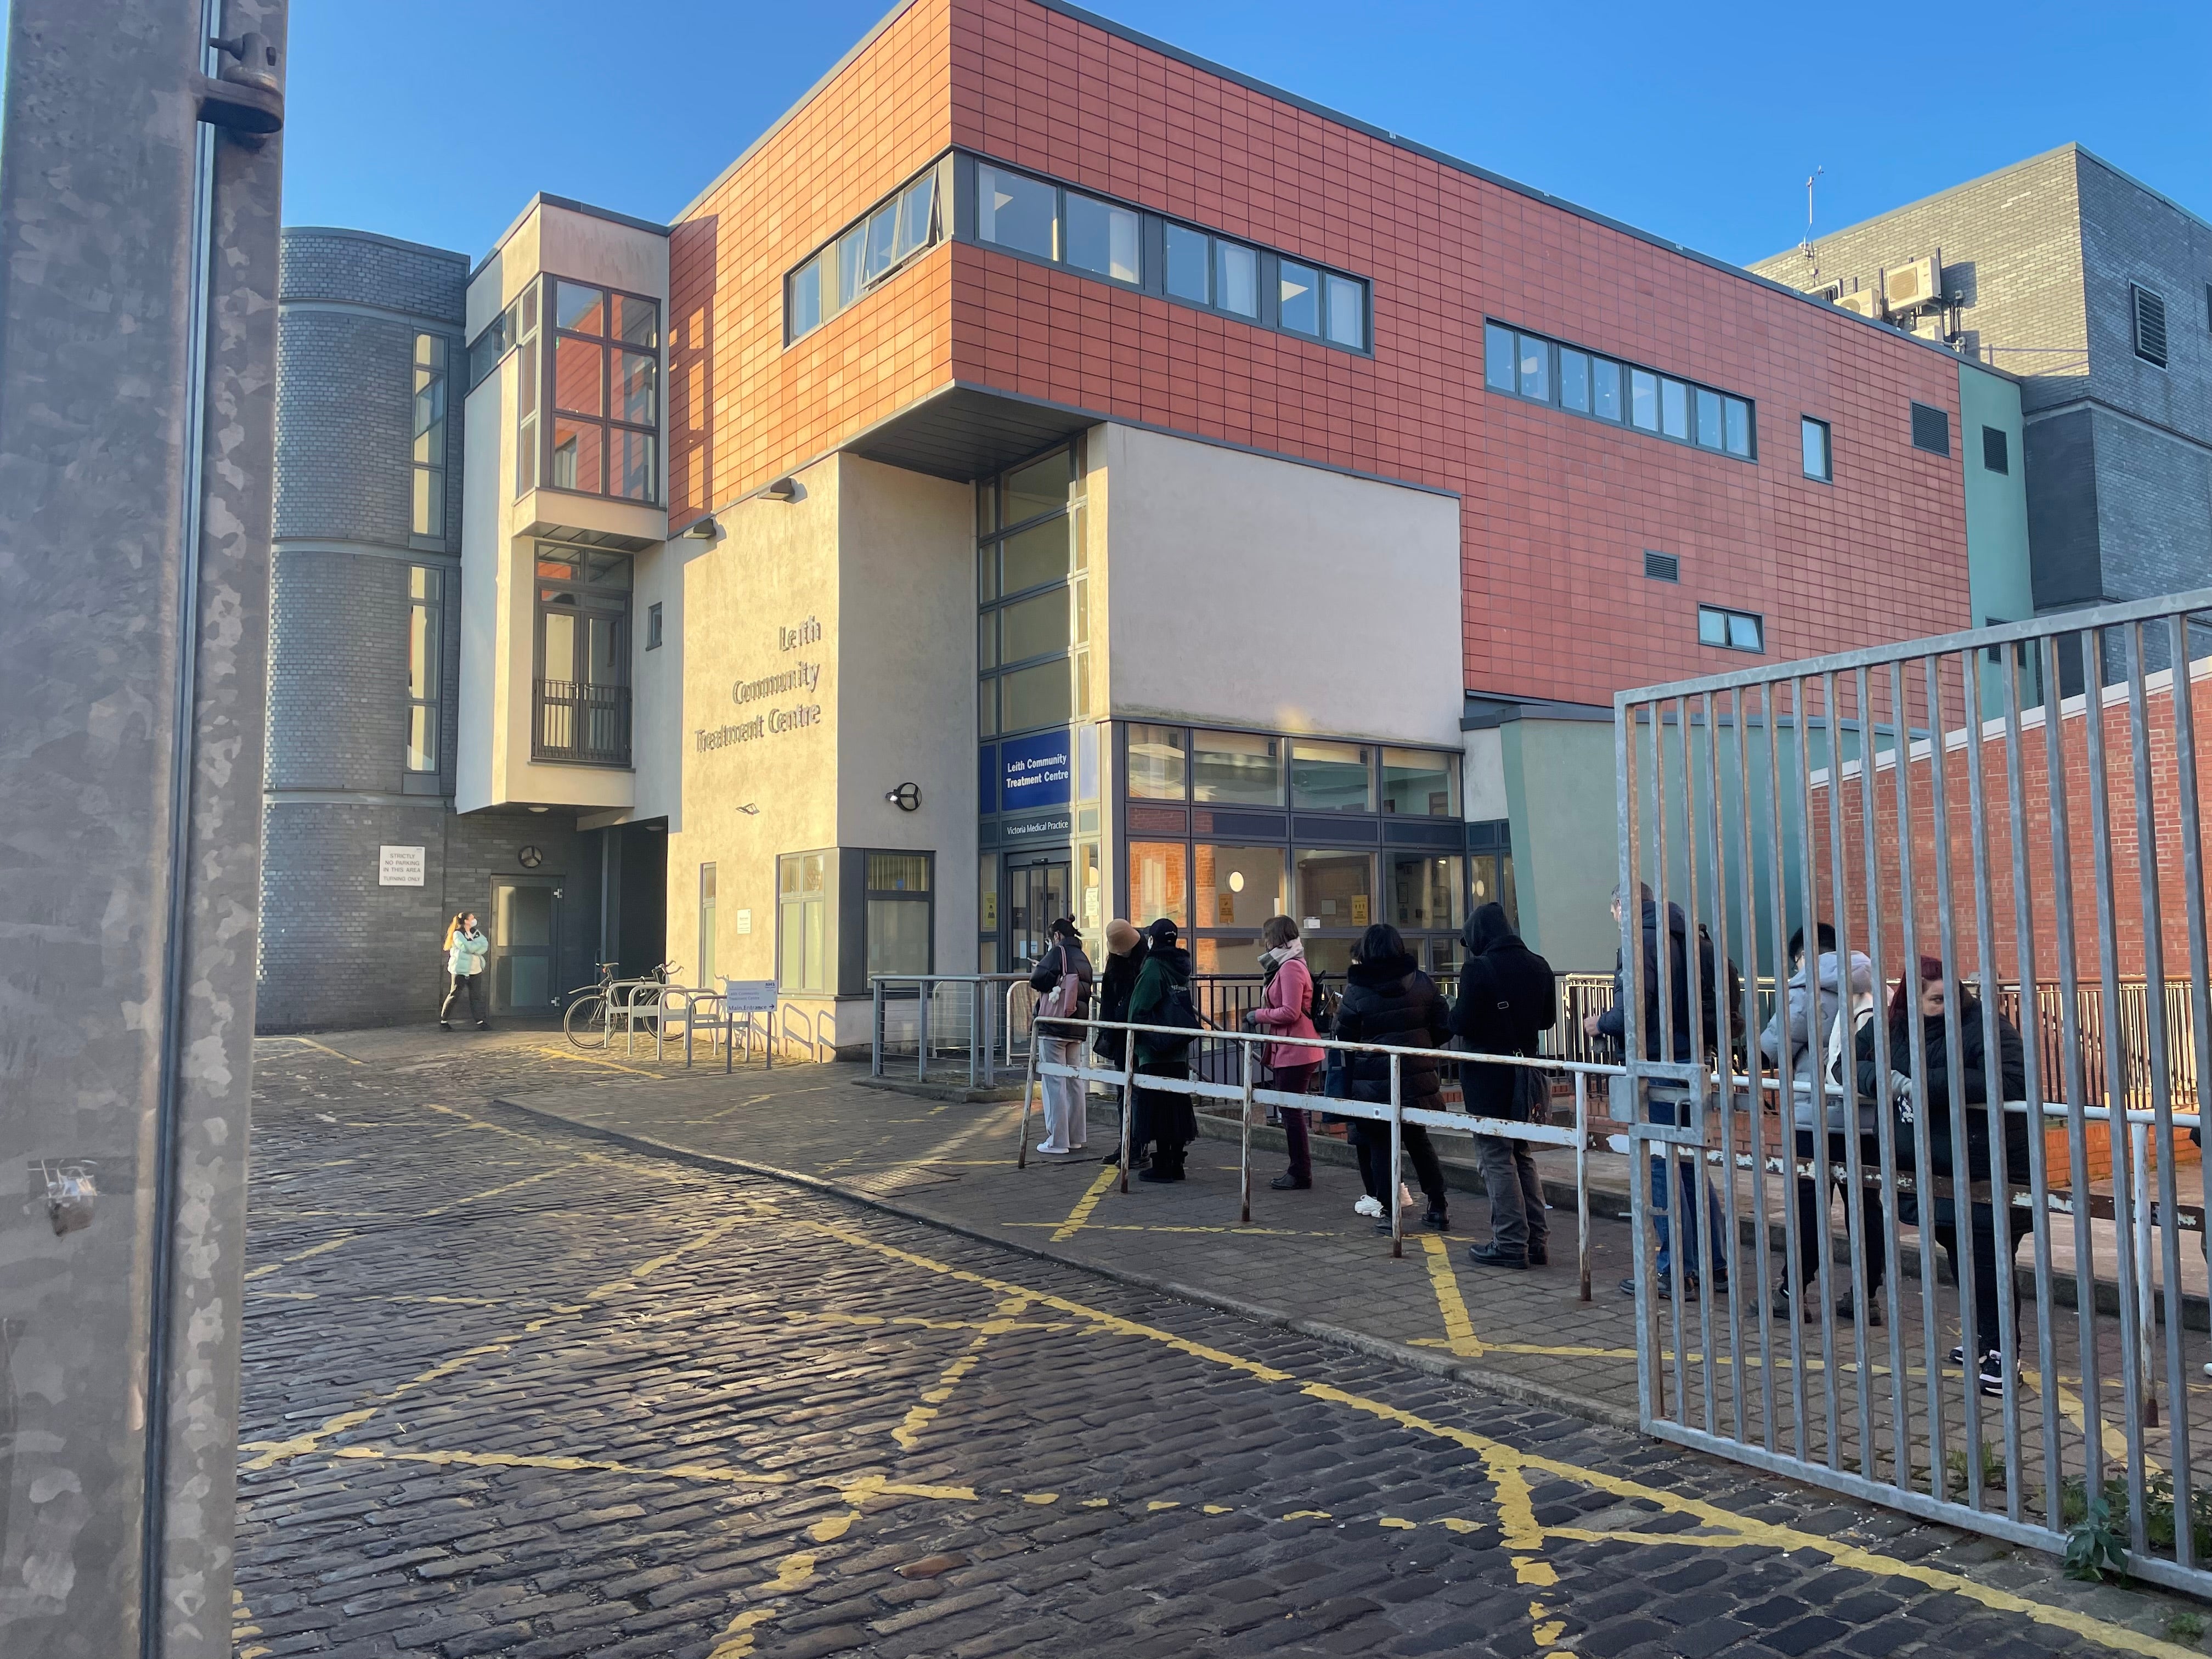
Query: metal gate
[(2003, 830)]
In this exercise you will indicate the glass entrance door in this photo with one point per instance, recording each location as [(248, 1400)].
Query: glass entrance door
[(525, 922), (1036, 897)]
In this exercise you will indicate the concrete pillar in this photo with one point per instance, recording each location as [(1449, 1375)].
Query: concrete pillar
[(136, 445)]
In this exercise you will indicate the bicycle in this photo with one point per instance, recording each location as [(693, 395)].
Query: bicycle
[(589, 1020)]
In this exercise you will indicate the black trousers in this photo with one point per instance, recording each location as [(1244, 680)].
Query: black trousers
[(1160, 1119), (1372, 1138), (1981, 1312), (455, 982), (1812, 1206)]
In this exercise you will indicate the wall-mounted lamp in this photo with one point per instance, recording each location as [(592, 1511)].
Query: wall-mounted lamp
[(749, 809), (541, 809), (784, 489), (702, 530), (907, 797)]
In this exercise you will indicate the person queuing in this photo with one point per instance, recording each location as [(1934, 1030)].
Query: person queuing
[(1164, 1118), (1125, 959), (465, 948), (1666, 1104), (1063, 981), (1388, 999), (1796, 1040), (1286, 1007), (1506, 996), (1932, 1084)]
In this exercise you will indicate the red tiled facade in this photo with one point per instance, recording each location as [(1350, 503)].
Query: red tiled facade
[(1557, 510)]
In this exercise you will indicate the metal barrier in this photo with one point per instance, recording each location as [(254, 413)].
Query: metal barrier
[(1394, 1110), (1933, 799), (954, 1021)]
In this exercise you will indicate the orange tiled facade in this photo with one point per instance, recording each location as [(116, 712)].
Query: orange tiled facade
[(1556, 511)]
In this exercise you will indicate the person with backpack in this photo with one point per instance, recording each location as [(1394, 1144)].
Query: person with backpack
[(466, 947), (1388, 1000), (1062, 982), (1506, 996), (1668, 1037), (1165, 1118), (1124, 960), (1286, 1006)]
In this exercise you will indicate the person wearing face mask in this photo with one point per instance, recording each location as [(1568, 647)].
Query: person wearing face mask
[(465, 948), (1286, 1009)]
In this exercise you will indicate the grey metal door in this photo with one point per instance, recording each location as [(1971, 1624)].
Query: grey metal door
[(525, 914)]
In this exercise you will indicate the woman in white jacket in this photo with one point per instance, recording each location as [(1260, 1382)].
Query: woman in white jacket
[(466, 947)]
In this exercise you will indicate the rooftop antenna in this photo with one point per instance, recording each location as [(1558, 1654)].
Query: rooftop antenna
[(1812, 254)]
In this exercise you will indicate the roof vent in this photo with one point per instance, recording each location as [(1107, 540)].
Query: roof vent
[(1662, 567)]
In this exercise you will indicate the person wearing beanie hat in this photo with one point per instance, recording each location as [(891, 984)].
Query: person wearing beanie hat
[(1167, 1120), (1062, 982), (1125, 959)]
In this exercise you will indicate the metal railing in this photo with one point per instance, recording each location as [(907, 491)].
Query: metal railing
[(1246, 1093), (949, 1024), (1939, 799), (577, 721)]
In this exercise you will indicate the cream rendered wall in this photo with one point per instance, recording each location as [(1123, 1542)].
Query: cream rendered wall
[(599, 250), (906, 649), (1239, 589), (487, 466)]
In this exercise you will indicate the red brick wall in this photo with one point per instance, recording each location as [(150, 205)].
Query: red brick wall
[(1557, 510)]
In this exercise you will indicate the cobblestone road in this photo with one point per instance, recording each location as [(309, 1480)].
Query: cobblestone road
[(510, 1391)]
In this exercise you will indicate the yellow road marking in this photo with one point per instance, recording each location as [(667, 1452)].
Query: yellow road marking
[(323, 1249), (1459, 1329), (1147, 1227), (1086, 1205), (594, 1060), (922, 1415), (310, 1042), (801, 1317)]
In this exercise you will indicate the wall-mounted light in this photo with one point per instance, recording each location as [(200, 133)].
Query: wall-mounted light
[(907, 797), (541, 809), (703, 530), (1235, 881), (784, 489)]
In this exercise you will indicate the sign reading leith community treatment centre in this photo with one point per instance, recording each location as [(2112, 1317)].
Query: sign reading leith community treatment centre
[(1035, 771), (802, 678)]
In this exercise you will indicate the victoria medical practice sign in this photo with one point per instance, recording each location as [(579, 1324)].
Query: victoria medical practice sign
[(1035, 771)]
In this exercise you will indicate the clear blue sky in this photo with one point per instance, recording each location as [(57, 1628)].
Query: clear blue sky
[(1698, 122)]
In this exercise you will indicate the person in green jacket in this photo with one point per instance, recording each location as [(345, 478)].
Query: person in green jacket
[(466, 947), (1166, 1119)]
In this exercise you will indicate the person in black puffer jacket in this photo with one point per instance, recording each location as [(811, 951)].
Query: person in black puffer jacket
[(1930, 1071), (1124, 960), (1506, 996), (1388, 999)]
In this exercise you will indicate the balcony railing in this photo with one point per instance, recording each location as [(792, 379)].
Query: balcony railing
[(581, 722)]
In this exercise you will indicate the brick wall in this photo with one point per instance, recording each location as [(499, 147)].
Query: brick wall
[(1557, 510)]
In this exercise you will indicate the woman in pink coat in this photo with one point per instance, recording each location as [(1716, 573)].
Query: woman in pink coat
[(1285, 1007)]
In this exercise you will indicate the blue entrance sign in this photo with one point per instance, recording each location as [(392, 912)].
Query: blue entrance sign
[(1035, 771)]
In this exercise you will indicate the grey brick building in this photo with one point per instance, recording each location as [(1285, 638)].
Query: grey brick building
[(364, 666), (2096, 291)]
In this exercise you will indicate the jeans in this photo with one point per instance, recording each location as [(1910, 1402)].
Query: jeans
[(1066, 1120), (1518, 1225), (1812, 1208), (1663, 1110), (1296, 1080), (455, 982)]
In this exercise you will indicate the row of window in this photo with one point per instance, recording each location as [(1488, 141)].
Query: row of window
[(1032, 597), (896, 917), (1314, 775), (885, 237), (1544, 370), (588, 395), (429, 451)]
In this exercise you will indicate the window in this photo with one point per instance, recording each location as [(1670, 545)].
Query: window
[(1103, 239), (899, 913), (1931, 429), (1544, 371), (425, 605), (1236, 768), (601, 365), (1335, 889), (2149, 313), (707, 932), (1420, 783), (1158, 886), (1156, 762), (1819, 457), (1032, 590), (1239, 887), (1996, 456), (1331, 777), (653, 626), (802, 921), (1425, 891), (527, 426), (1662, 567), (429, 454), (1731, 630), (1038, 219), (880, 245), (582, 656)]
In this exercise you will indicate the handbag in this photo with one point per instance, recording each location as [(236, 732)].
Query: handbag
[(1064, 999)]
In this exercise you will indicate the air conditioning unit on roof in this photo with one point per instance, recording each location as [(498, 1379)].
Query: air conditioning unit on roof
[(1907, 288), (1866, 302)]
